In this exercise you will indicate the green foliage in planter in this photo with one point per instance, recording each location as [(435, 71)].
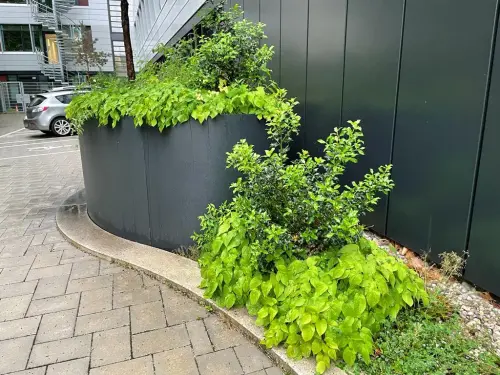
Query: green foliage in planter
[(423, 342), (223, 72), (289, 247)]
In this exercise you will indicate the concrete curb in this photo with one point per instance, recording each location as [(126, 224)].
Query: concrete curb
[(178, 272)]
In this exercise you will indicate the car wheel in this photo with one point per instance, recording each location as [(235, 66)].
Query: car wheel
[(61, 127)]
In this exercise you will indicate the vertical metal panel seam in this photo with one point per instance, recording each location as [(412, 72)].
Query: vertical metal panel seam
[(395, 113), (145, 150), (307, 67), (259, 11), (343, 64), (281, 51), (483, 125)]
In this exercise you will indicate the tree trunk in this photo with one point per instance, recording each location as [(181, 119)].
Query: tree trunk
[(126, 40)]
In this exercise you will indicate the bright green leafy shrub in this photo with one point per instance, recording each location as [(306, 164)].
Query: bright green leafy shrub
[(289, 247), (223, 72)]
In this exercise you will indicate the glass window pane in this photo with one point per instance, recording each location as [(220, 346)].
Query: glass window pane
[(17, 37)]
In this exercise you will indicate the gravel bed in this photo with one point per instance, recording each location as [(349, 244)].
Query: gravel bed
[(480, 316)]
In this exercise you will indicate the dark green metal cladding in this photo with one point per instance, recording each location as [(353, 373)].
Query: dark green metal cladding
[(483, 264), (370, 86), (444, 66)]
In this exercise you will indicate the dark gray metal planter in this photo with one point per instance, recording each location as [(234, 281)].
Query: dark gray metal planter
[(151, 187)]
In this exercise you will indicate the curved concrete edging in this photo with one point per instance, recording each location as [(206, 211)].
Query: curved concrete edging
[(178, 272)]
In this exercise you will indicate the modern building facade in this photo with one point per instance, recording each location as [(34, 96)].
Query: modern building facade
[(36, 38)]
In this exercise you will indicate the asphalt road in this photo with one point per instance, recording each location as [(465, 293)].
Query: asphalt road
[(19, 143)]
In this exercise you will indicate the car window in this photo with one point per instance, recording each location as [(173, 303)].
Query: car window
[(37, 100), (65, 99)]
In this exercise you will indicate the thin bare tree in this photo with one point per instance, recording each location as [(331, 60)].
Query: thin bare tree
[(129, 57)]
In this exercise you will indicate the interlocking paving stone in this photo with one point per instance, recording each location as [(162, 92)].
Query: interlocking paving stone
[(175, 362), (251, 358), (19, 328), (60, 351), (17, 289), (39, 249), (180, 309), (56, 326), (12, 308), (147, 316), (47, 260), (221, 362), (221, 335), (102, 321), (13, 275), (274, 371), (53, 304), (38, 239), (33, 371), (136, 297), (85, 269), (95, 301), (47, 281), (17, 261), (111, 346), (74, 367), (89, 283), (41, 273), (139, 366), (14, 354), (127, 280), (51, 287), (199, 337), (159, 340)]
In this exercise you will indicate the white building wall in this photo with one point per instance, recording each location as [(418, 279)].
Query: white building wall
[(18, 62), (96, 16), (157, 21), (19, 14)]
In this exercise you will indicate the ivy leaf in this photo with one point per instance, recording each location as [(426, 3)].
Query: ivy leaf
[(254, 296), (316, 347), (337, 272), (407, 298), (305, 349), (320, 367), (304, 319), (293, 351), (359, 304), (229, 300), (255, 283), (349, 356), (266, 287), (372, 297), (321, 326), (308, 332), (223, 228)]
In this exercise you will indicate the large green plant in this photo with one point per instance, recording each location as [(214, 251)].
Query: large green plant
[(289, 247), (224, 72)]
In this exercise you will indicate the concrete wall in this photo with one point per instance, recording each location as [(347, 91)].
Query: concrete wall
[(157, 21)]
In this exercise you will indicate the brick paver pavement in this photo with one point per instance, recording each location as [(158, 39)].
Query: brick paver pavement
[(65, 312)]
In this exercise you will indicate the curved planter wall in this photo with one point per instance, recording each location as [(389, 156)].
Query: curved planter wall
[(151, 187)]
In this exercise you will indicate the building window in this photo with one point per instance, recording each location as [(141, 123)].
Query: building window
[(37, 36), (83, 3), (16, 38), (12, 1)]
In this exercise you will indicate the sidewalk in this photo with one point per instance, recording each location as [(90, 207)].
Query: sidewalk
[(65, 312)]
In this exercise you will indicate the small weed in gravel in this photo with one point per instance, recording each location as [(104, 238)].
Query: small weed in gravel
[(429, 340)]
